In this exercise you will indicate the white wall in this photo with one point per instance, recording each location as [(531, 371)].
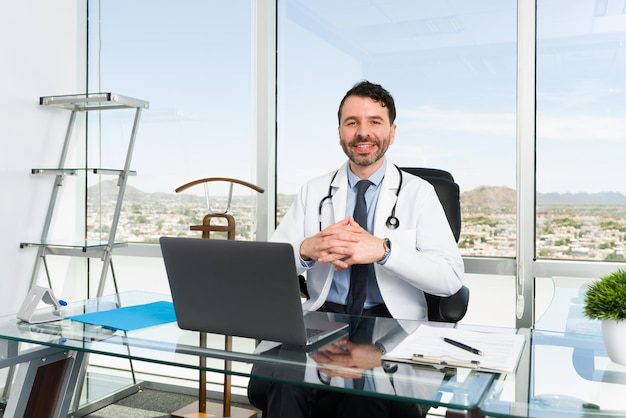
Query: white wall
[(42, 49)]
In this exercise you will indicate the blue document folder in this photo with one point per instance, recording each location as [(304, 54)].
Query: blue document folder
[(131, 317)]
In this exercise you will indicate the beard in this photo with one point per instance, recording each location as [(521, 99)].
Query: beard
[(365, 160)]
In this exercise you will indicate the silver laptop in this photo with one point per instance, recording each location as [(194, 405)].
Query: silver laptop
[(241, 288)]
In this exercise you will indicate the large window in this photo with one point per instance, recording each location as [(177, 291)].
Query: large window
[(192, 60), (451, 67), (581, 130)]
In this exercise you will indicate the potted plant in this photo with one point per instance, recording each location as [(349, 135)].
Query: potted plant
[(606, 301)]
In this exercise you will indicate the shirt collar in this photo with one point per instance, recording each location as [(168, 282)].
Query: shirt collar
[(375, 178)]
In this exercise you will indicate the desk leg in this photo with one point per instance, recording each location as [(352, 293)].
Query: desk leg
[(8, 349), (80, 363), (43, 384)]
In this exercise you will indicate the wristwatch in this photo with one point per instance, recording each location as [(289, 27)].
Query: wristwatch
[(387, 246)]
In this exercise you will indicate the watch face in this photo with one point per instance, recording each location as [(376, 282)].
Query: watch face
[(387, 247)]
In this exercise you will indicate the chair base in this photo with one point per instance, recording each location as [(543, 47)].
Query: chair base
[(212, 410)]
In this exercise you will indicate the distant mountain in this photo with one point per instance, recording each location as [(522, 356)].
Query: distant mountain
[(109, 188), (482, 196), (504, 197), (489, 196), (603, 198)]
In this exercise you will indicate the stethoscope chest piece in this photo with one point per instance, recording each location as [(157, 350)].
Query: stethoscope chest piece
[(392, 222)]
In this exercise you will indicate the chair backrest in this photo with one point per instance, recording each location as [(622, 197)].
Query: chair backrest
[(451, 308), (447, 191)]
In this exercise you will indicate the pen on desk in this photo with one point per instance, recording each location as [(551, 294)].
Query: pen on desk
[(463, 346)]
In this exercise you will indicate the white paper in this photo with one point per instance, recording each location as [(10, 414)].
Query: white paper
[(501, 352)]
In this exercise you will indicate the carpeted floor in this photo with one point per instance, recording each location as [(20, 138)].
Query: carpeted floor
[(148, 403)]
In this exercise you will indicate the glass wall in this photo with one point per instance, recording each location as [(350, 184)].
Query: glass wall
[(192, 60), (451, 67), (581, 130)]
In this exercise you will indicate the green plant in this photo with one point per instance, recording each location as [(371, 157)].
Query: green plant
[(606, 297)]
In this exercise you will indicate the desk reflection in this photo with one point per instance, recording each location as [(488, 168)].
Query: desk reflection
[(353, 363)]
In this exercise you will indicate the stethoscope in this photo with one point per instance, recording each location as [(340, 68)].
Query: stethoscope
[(391, 223)]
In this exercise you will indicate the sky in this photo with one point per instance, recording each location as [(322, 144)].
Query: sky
[(450, 65)]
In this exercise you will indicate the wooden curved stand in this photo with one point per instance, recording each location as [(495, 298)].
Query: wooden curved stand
[(207, 227), (201, 408)]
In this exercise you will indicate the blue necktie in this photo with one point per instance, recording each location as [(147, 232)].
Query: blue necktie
[(359, 272)]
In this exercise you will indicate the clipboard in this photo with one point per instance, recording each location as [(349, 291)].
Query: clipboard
[(445, 362), (499, 352)]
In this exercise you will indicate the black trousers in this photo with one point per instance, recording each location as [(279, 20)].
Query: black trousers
[(280, 400)]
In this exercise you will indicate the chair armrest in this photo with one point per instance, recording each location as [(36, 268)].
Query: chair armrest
[(448, 309), (304, 292)]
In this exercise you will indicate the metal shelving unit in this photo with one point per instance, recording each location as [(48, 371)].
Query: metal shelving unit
[(80, 103), (76, 104)]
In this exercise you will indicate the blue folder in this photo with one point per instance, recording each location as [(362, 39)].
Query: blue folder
[(131, 317)]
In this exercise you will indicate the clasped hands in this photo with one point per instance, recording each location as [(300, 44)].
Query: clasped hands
[(343, 244), (346, 359)]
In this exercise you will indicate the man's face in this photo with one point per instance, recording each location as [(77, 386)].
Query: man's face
[(365, 131)]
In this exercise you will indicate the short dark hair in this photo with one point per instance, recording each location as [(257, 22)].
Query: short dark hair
[(375, 92)]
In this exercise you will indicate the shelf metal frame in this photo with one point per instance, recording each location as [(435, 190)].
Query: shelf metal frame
[(78, 103)]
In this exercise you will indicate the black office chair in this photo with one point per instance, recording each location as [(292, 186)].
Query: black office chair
[(440, 309), (450, 308)]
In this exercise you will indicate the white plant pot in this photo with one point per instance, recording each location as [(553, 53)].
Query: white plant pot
[(614, 336)]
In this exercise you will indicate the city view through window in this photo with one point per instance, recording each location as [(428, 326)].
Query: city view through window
[(452, 68), (569, 226)]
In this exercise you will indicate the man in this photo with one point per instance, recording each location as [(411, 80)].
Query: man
[(381, 264)]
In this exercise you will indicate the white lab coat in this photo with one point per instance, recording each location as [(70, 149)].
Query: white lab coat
[(424, 254)]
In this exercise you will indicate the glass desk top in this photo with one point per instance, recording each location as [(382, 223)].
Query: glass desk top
[(567, 372), (460, 389)]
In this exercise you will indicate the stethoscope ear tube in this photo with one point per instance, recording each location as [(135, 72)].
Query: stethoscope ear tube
[(392, 221)]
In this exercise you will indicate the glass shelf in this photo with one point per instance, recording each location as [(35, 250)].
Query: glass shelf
[(74, 171), (93, 101), (78, 246)]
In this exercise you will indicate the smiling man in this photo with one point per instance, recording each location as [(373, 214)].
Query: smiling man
[(370, 239), (365, 132)]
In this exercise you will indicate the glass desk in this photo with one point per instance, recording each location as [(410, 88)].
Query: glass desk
[(567, 372), (70, 342)]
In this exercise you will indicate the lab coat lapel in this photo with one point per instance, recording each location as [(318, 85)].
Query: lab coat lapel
[(387, 197), (340, 191)]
